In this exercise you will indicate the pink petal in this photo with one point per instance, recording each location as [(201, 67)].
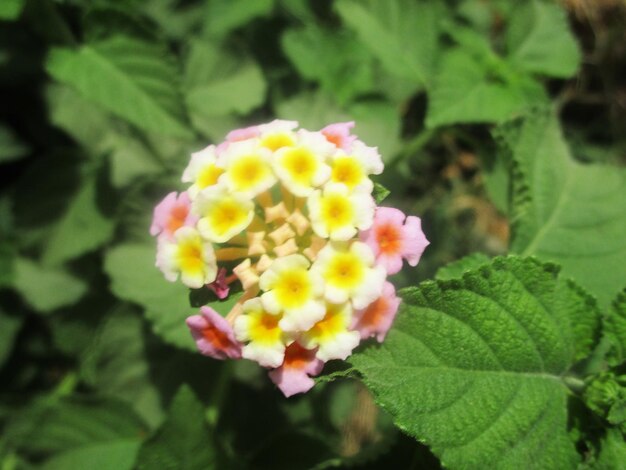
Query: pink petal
[(389, 215), (391, 262), (415, 241), (173, 212), (243, 134), (213, 335), (161, 213), (339, 134), (377, 318), (294, 375)]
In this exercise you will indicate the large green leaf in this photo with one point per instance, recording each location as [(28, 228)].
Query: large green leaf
[(46, 288), (82, 228), (402, 34), (340, 63), (218, 84), (565, 211), (539, 39), (466, 89), (134, 80), (135, 278), (475, 367), (183, 442)]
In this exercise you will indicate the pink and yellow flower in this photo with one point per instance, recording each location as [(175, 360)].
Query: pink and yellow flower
[(213, 335), (287, 216), (394, 236), (172, 213), (377, 317)]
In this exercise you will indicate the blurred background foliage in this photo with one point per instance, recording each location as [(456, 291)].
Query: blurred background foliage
[(102, 103)]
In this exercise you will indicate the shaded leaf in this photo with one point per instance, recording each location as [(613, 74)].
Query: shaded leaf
[(11, 148), (183, 441), (402, 34), (9, 327), (11, 9), (340, 63), (466, 90), (539, 39), (474, 367), (82, 228), (133, 79), (217, 83), (46, 288), (224, 16)]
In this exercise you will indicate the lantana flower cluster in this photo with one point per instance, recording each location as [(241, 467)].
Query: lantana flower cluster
[(287, 216)]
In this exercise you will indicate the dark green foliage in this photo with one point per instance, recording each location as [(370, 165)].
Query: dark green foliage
[(501, 125)]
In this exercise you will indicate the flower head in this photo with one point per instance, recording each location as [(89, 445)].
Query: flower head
[(287, 215)]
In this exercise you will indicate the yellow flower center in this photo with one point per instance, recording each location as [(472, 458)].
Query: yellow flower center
[(345, 271), (277, 141), (208, 176), (264, 328), (293, 288), (301, 165), (190, 256), (336, 211), (332, 324), (347, 171), (225, 215), (248, 172)]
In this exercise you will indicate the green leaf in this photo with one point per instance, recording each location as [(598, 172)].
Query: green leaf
[(116, 455), (340, 63), (475, 367), (183, 442), (10, 146), (115, 364), (79, 431), (134, 80), (135, 278), (402, 34), (564, 211), (380, 193), (46, 288), (11, 9), (9, 327), (101, 134), (218, 84), (615, 327), (224, 16), (459, 267), (539, 40), (82, 228), (465, 89)]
